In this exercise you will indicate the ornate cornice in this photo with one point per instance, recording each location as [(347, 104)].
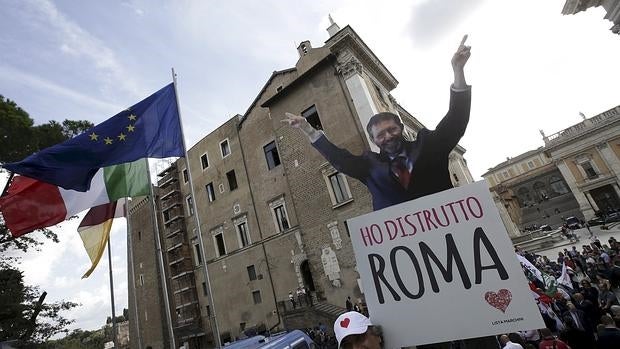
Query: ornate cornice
[(349, 68)]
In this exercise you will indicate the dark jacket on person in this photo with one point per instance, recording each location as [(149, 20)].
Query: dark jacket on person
[(428, 153), (609, 338)]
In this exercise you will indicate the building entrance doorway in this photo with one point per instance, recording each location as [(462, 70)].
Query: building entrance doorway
[(605, 198), (306, 275)]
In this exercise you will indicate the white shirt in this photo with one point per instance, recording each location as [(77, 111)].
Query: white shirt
[(511, 345)]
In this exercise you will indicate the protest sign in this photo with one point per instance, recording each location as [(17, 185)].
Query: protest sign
[(441, 268)]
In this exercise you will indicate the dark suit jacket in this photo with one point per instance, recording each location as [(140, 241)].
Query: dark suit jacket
[(429, 153)]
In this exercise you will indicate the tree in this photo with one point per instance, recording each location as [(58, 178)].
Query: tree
[(19, 137), (23, 313)]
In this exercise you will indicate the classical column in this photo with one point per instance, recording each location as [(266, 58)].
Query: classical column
[(584, 204), (511, 227), (591, 200), (610, 159), (351, 71), (616, 189)]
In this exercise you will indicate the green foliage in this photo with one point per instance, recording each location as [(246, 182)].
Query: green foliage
[(23, 315), (20, 138)]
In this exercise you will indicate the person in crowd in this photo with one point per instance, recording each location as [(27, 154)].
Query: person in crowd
[(355, 331), (402, 170), (292, 299), (607, 298), (506, 343), (531, 337), (589, 292), (609, 336), (591, 313), (348, 304), (549, 341)]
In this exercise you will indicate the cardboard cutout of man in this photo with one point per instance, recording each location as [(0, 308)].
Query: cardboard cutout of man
[(402, 170)]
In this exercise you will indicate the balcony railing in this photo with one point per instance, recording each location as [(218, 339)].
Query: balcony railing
[(167, 194), (184, 282), (582, 127)]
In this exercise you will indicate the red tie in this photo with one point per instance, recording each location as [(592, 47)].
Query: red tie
[(400, 168)]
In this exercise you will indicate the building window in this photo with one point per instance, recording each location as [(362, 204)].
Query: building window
[(281, 218), (557, 185), (312, 116), (185, 176), (271, 155), (166, 215), (589, 169), (208, 310), (141, 279), (505, 175), (251, 272), (139, 235), (204, 288), (530, 164), (244, 236), (339, 188), (224, 148), (197, 254), (210, 192), (256, 296), (190, 205), (232, 180), (204, 161), (218, 241)]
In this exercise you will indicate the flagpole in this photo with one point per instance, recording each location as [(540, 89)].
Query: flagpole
[(112, 295), (133, 275), (160, 257), (212, 317)]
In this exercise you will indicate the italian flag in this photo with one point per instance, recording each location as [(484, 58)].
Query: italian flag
[(30, 204), (95, 229)]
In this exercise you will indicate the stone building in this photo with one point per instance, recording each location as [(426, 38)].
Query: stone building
[(268, 210), (532, 190), (612, 10), (146, 302), (588, 156), (576, 173)]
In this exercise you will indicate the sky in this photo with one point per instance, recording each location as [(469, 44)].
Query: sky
[(531, 69)]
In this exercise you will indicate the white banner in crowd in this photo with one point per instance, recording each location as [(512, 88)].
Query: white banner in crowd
[(442, 268)]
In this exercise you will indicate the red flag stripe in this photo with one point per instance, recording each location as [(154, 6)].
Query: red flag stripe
[(30, 204)]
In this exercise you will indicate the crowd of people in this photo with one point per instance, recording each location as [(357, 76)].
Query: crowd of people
[(300, 297), (322, 337), (576, 294)]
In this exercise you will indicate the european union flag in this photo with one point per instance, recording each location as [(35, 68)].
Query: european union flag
[(150, 128)]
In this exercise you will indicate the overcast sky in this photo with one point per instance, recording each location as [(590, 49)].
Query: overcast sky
[(531, 68)]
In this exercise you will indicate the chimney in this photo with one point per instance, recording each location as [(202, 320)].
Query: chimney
[(333, 27), (304, 48)]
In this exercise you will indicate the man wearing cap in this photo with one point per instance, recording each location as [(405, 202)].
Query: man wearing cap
[(402, 170), (355, 331)]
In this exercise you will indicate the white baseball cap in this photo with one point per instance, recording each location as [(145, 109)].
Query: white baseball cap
[(350, 323)]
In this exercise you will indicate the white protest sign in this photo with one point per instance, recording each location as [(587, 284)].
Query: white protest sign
[(441, 268)]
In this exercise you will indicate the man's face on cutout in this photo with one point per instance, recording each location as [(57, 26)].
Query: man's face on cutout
[(388, 136)]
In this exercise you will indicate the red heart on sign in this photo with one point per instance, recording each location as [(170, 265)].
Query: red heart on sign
[(345, 323), (499, 300)]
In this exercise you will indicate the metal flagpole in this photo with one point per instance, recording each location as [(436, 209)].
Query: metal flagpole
[(160, 257), (212, 317), (112, 295), (132, 273)]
